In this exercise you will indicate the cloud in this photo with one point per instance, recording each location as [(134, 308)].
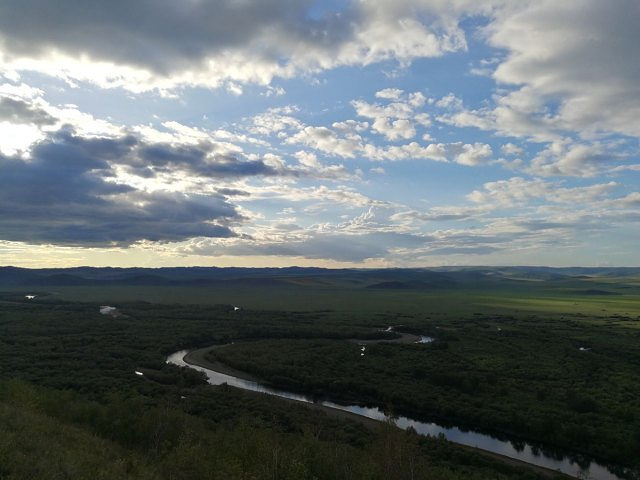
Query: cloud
[(214, 43), (440, 214), (178, 151), (462, 250), (470, 154), (201, 160), (462, 153), (345, 140), (328, 141), (208, 159), (395, 120), (275, 120), (631, 200), (338, 246), (511, 149), (64, 194), (390, 93), (17, 111), (566, 158), (517, 191), (579, 55), (450, 102)]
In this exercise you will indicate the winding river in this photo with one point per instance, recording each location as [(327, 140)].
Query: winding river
[(524, 453)]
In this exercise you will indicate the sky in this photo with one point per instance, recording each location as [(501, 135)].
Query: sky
[(386, 133)]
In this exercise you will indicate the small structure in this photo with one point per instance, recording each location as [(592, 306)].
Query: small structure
[(30, 297)]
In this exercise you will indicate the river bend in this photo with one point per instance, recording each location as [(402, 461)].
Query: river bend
[(524, 453)]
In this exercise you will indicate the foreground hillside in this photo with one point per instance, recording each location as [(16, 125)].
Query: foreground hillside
[(50, 434)]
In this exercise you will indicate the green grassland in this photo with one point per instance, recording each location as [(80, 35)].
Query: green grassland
[(597, 297)]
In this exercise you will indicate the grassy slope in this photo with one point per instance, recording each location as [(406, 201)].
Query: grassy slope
[(42, 437), (36, 446)]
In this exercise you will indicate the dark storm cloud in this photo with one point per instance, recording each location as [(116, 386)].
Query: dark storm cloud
[(63, 195), (198, 160), (160, 35), (19, 111)]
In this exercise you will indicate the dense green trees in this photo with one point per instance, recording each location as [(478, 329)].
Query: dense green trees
[(526, 377), (71, 405), (48, 434)]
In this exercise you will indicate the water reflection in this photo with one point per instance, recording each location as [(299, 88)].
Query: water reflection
[(512, 449), (425, 339)]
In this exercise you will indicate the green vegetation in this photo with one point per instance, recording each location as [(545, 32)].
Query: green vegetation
[(523, 376), (502, 299), (68, 389), (507, 360), (593, 292)]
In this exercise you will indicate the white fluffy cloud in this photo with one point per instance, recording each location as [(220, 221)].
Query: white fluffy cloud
[(517, 191), (580, 55), (574, 159), (395, 120), (214, 43)]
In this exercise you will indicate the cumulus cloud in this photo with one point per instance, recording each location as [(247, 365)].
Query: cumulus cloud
[(117, 190), (569, 82), (64, 195), (517, 191), (395, 120), (574, 159), (390, 93), (347, 140), (581, 55), (462, 153), (215, 43), (470, 154), (275, 120), (511, 149), (17, 111), (328, 141)]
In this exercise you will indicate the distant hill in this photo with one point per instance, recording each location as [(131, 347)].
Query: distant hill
[(392, 278), (390, 285)]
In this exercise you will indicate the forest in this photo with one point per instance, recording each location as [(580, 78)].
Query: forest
[(567, 381)]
